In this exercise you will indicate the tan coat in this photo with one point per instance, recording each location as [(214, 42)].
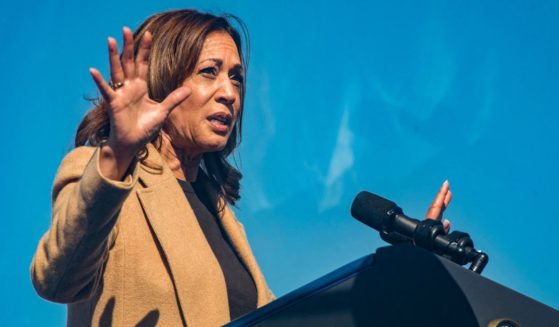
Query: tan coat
[(123, 253)]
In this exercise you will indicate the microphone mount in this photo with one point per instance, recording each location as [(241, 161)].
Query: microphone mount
[(394, 227)]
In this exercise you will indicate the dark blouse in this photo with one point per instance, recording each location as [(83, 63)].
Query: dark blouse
[(241, 290)]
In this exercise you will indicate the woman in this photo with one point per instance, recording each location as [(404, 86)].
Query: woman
[(131, 240), (141, 232)]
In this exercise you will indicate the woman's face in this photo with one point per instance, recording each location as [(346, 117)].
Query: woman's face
[(203, 122)]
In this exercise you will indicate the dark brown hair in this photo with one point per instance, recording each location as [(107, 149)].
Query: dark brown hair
[(178, 37)]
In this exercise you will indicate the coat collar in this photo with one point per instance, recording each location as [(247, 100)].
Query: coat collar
[(197, 276)]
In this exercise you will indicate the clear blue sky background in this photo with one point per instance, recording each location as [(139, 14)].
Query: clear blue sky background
[(389, 96)]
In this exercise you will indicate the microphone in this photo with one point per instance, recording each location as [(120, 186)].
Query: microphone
[(385, 216), (395, 227)]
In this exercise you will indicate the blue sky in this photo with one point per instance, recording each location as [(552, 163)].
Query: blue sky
[(392, 97)]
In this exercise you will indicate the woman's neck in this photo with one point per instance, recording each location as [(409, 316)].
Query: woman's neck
[(184, 166)]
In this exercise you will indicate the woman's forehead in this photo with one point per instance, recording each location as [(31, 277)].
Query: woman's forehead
[(220, 45)]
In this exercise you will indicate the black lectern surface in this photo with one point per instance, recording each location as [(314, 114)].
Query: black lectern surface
[(402, 285)]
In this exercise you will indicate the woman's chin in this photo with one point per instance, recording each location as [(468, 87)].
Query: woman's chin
[(215, 144)]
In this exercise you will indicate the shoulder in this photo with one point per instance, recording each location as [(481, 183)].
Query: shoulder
[(73, 166), (76, 160), (79, 154)]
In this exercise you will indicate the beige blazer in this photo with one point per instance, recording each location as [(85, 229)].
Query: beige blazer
[(132, 252)]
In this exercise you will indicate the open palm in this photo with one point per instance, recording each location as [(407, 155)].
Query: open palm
[(134, 117)]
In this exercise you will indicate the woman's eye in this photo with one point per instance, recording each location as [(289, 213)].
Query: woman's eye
[(211, 71), (237, 79)]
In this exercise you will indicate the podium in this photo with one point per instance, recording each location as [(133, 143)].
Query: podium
[(402, 285)]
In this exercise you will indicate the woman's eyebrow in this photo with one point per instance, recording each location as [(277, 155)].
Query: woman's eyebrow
[(238, 67), (219, 63)]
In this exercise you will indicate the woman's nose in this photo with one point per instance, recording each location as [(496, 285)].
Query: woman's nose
[(227, 92)]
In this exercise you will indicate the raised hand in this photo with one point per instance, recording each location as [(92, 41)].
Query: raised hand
[(438, 206), (134, 118)]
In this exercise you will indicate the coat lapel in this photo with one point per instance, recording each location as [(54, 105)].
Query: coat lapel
[(198, 280), (235, 233)]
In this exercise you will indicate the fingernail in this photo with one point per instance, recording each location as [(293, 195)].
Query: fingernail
[(445, 182)]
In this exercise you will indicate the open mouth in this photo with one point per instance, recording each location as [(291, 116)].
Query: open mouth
[(221, 121)]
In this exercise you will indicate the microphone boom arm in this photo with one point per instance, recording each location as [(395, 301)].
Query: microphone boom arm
[(430, 235), (395, 227)]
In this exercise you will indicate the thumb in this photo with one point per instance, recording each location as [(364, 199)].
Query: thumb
[(175, 98)]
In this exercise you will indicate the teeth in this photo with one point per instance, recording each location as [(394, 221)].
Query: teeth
[(219, 121), (222, 120)]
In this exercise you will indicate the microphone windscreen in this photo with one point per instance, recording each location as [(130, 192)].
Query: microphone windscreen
[(371, 209)]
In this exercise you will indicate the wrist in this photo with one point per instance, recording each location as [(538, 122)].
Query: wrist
[(115, 160), (121, 153)]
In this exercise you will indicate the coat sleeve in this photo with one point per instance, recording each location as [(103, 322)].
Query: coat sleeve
[(70, 256)]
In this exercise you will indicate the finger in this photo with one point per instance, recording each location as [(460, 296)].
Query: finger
[(447, 199), (446, 225), (175, 98), (143, 56), (117, 75), (128, 54), (437, 207), (106, 91)]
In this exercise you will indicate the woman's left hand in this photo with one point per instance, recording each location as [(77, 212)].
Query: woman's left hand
[(439, 205)]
